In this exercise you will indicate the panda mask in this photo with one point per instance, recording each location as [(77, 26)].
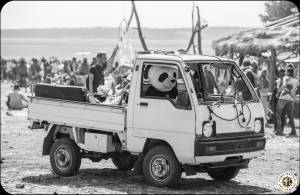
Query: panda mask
[(163, 78)]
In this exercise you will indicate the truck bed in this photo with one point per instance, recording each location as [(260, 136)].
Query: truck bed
[(78, 114)]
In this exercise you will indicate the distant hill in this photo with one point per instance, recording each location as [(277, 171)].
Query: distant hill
[(66, 42), (209, 33)]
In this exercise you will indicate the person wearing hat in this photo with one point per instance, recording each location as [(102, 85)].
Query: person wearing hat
[(16, 100), (96, 73), (286, 97)]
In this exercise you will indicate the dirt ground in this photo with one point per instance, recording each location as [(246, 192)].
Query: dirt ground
[(25, 170)]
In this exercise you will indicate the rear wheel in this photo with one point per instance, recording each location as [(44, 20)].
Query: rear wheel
[(124, 161), (224, 174), (65, 157), (161, 167)]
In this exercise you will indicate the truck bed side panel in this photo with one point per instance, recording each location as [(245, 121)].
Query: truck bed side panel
[(85, 115)]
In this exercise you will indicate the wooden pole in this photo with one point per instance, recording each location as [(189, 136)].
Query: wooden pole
[(129, 21), (272, 68), (139, 27), (193, 44), (192, 38), (199, 31)]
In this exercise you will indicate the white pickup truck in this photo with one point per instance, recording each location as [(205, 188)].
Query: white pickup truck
[(214, 125)]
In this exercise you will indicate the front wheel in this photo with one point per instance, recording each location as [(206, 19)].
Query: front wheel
[(224, 174), (161, 167), (65, 157)]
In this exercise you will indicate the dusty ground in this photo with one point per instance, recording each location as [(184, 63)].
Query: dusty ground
[(25, 170)]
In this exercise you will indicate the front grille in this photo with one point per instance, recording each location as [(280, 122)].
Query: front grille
[(205, 148), (236, 145)]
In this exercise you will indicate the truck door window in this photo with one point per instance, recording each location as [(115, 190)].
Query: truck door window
[(224, 80), (167, 83), (214, 80)]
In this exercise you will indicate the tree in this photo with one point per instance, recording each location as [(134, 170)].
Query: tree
[(276, 10)]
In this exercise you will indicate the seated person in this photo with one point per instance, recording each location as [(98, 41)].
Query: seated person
[(16, 100)]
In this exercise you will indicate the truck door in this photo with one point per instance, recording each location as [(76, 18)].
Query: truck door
[(165, 118)]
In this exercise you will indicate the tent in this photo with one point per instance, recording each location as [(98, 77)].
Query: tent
[(280, 39)]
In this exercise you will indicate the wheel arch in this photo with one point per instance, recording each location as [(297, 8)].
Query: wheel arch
[(55, 131), (151, 143)]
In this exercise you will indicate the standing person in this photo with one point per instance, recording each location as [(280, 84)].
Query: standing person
[(96, 73), (10, 70), (286, 94), (54, 69), (74, 65), (263, 85), (84, 68), (210, 82), (274, 98), (35, 75), (67, 68), (3, 69), (22, 73), (251, 72), (47, 67)]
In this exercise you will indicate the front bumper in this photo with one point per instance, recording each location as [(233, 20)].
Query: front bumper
[(224, 147)]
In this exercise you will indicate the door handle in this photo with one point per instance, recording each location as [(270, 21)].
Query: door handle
[(143, 103)]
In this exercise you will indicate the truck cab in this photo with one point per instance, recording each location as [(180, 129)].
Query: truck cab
[(215, 124)]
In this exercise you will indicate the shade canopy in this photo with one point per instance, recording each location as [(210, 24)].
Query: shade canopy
[(258, 40), (293, 60)]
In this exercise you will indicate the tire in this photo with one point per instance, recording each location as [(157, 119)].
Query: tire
[(224, 174), (167, 171), (124, 161), (65, 157)]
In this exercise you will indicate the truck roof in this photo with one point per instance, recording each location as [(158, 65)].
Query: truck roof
[(182, 57)]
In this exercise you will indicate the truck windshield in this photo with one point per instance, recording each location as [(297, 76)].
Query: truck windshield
[(214, 80)]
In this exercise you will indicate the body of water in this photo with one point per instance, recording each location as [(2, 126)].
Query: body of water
[(65, 48)]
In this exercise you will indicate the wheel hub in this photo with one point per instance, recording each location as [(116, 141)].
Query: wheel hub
[(160, 168), (62, 157)]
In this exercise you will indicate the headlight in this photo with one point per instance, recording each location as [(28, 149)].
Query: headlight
[(257, 126), (208, 129)]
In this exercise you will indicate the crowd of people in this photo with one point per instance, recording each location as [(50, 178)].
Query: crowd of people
[(282, 101), (27, 73), (95, 76)]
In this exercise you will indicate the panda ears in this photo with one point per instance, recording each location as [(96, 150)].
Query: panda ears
[(147, 68)]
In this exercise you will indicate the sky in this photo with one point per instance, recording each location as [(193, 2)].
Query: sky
[(152, 14)]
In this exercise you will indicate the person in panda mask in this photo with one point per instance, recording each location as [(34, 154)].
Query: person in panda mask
[(163, 80)]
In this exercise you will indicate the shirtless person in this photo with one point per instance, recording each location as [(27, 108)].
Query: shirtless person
[(96, 73)]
